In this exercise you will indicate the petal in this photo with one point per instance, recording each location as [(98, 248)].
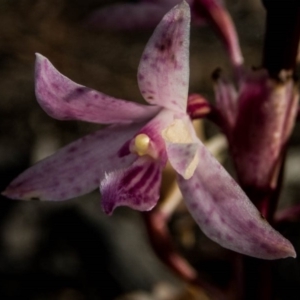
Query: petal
[(182, 146), (127, 16), (75, 169), (198, 107), (137, 186), (163, 73), (226, 215), (266, 115), (64, 99), (214, 12), (183, 158)]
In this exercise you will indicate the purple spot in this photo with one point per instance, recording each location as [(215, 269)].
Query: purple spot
[(141, 77), (145, 57), (229, 237), (80, 90), (251, 224), (72, 149), (71, 179), (165, 45), (96, 96), (194, 205), (206, 221), (77, 189), (55, 86)]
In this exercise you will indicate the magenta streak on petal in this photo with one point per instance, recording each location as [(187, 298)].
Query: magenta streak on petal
[(75, 169), (130, 187), (130, 175), (155, 178), (226, 215), (141, 183), (64, 99), (163, 73)]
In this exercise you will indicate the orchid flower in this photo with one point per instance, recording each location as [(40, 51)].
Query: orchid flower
[(126, 158), (257, 116)]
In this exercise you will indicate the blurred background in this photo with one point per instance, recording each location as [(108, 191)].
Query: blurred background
[(71, 250)]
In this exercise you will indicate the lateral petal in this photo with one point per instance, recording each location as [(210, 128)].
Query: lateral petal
[(226, 215), (75, 169), (138, 186), (163, 74), (63, 99)]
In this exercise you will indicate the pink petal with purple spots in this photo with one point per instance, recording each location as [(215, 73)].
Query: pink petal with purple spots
[(163, 74), (137, 186), (226, 215), (75, 169), (64, 99)]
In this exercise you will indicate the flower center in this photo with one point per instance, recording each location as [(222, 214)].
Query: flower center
[(141, 144)]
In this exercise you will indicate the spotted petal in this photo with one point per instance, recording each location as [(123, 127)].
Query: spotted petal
[(75, 169), (137, 186), (226, 215), (163, 73), (63, 99)]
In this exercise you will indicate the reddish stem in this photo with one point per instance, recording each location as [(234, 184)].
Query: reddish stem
[(161, 240)]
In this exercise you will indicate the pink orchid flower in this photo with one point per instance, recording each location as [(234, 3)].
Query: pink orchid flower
[(127, 157), (257, 114)]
